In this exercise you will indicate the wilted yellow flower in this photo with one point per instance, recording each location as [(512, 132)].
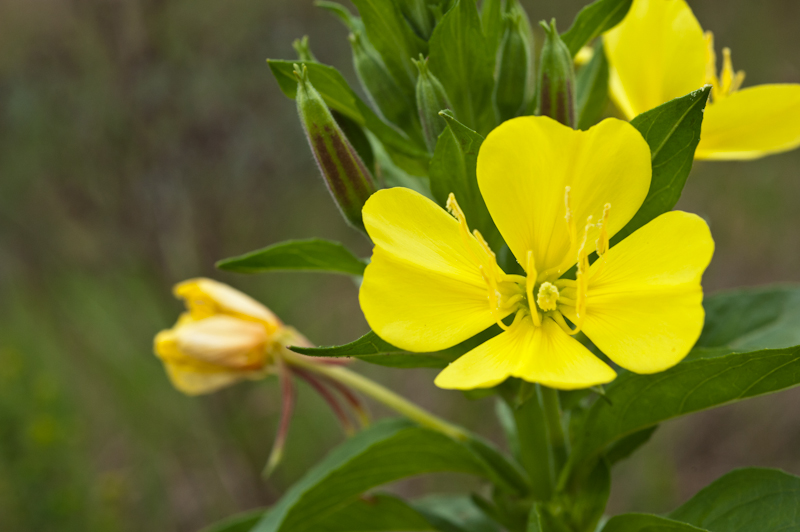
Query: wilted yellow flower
[(556, 195), (225, 336), (659, 52)]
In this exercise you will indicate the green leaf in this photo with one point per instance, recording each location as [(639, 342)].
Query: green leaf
[(387, 451), (753, 318), (593, 20), (672, 130), (393, 38), (453, 169), (241, 522), (308, 255), (625, 447), (535, 520), (648, 523), (592, 89), (636, 402), (371, 348), (459, 57), (763, 500), (374, 513), (454, 513), (338, 95)]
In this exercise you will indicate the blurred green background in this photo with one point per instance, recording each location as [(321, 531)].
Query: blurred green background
[(142, 140)]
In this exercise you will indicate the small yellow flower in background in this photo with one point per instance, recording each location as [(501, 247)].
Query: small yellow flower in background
[(556, 195), (225, 336), (659, 52)]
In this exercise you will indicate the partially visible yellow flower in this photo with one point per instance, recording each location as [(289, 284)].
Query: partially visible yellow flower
[(225, 336), (556, 195), (659, 52)]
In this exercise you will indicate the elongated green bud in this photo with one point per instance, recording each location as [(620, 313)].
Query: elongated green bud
[(556, 87), (303, 49), (431, 98), (381, 88), (348, 180), (514, 68)]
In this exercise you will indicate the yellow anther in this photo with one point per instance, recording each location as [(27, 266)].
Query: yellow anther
[(482, 242), (530, 282), (494, 306), (547, 297), (602, 242), (568, 215), (454, 209), (728, 81), (581, 280)]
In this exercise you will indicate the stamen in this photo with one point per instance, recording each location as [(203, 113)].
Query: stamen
[(530, 281), (726, 75), (493, 302), (559, 319), (547, 297), (484, 245), (602, 240), (568, 216), (711, 65), (582, 281)]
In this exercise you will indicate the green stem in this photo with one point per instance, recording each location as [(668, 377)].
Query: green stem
[(555, 427), (536, 453), (381, 394)]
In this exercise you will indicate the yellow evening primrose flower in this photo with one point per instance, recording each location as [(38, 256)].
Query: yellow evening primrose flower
[(659, 52), (225, 336), (556, 195)]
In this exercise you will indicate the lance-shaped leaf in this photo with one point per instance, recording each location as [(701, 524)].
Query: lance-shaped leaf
[(371, 348), (672, 131), (241, 522), (454, 513), (338, 95), (647, 523), (635, 402), (389, 450), (460, 58), (452, 170), (493, 26), (592, 89), (307, 255), (431, 100), (753, 318), (393, 38), (763, 500), (593, 20)]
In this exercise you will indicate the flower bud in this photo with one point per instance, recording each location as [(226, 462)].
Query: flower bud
[(431, 99), (303, 50), (514, 66), (224, 337), (382, 90), (556, 87), (348, 179)]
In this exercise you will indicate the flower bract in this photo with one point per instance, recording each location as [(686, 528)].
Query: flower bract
[(225, 336), (659, 52), (557, 195)]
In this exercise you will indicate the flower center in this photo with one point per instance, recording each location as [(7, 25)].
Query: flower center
[(514, 294), (547, 297), (728, 80)]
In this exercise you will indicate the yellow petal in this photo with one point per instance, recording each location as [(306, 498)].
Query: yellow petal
[(525, 165), (220, 340), (191, 380), (751, 123), (644, 305), (206, 297), (422, 291), (655, 54), (545, 354)]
